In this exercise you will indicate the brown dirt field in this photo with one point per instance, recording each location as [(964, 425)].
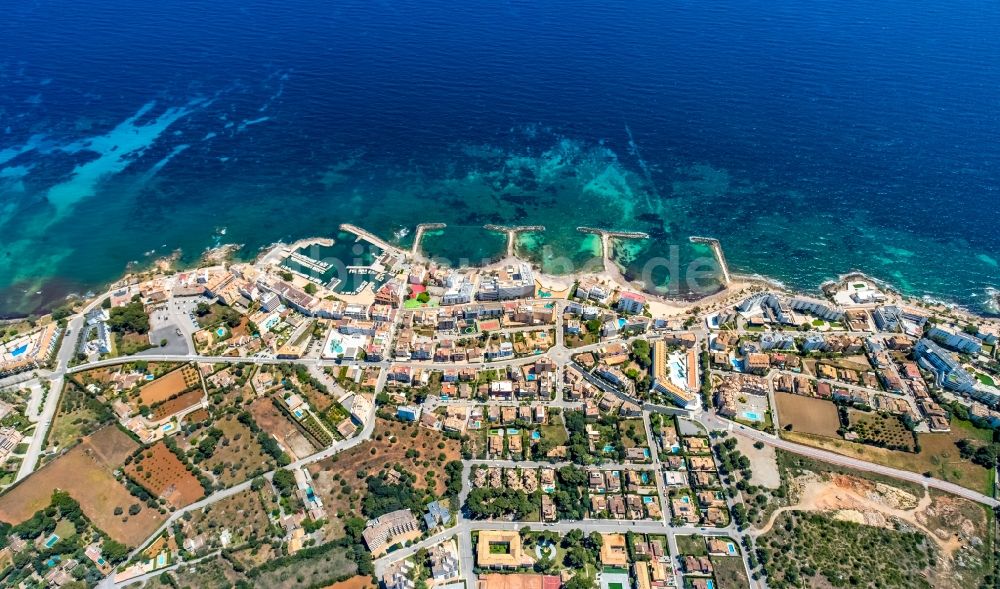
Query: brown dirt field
[(85, 474), (358, 582), (112, 445), (240, 457), (274, 422), (360, 458), (807, 415), (178, 404), (168, 385), (164, 475), (197, 416)]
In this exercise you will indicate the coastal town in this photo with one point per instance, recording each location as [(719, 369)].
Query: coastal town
[(348, 413)]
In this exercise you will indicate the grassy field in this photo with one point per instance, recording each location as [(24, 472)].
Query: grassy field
[(79, 415), (881, 430), (815, 550), (807, 415), (730, 572), (633, 433), (692, 546), (938, 455)]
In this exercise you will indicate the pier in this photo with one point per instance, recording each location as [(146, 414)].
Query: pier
[(367, 236), (719, 255), (512, 231), (310, 263), (421, 228)]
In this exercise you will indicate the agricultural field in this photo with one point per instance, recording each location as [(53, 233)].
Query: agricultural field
[(273, 421), (85, 472), (237, 454), (414, 448), (938, 454), (173, 383), (807, 415), (177, 404), (730, 573), (159, 471), (885, 431), (79, 415)]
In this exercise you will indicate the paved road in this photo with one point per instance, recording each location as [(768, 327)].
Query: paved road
[(715, 422), (48, 412)]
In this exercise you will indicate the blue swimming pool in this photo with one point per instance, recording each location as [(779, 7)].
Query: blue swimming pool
[(536, 435), (19, 351), (511, 431), (752, 416), (220, 331), (647, 500), (51, 541)]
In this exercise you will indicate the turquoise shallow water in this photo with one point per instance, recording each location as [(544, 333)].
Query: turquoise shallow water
[(811, 138)]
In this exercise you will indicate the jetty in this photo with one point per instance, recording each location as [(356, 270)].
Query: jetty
[(511, 231), (307, 262), (367, 236), (719, 255), (421, 229), (606, 236)]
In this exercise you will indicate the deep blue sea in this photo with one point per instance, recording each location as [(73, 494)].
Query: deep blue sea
[(813, 138)]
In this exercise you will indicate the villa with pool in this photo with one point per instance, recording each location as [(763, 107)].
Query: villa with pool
[(29, 351)]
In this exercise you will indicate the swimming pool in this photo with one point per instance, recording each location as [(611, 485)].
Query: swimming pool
[(752, 416), (221, 332), (51, 541), (647, 500), (298, 413), (167, 427), (685, 499), (19, 351), (608, 448), (536, 435), (513, 431), (150, 377)]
